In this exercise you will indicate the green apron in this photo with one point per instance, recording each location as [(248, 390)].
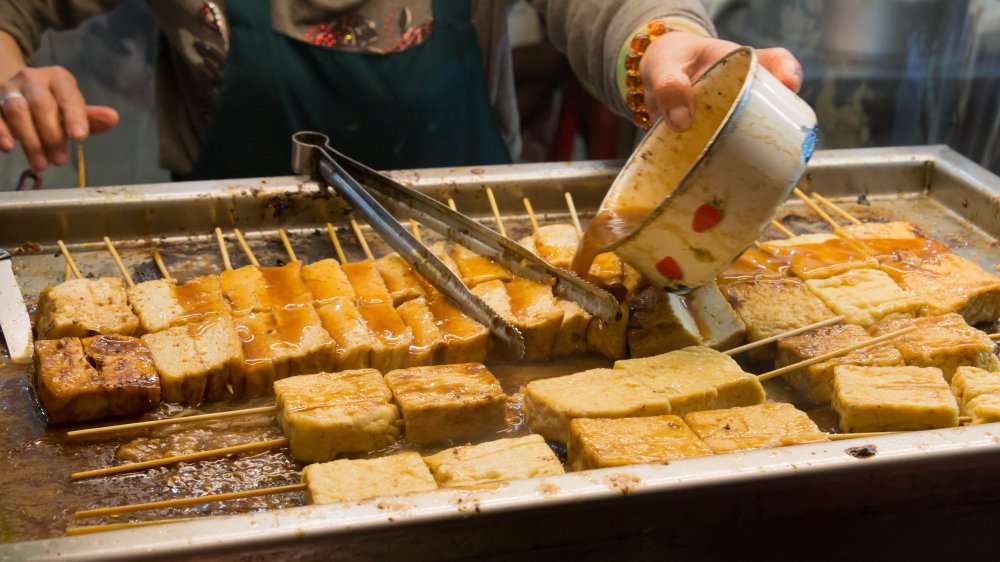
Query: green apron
[(425, 106)]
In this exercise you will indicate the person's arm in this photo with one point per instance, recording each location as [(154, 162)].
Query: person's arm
[(42, 108)]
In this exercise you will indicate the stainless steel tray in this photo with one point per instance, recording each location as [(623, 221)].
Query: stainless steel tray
[(613, 512)]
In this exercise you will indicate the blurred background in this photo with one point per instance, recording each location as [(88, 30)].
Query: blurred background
[(877, 72)]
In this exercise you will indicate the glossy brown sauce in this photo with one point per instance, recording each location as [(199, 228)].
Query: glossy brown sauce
[(607, 227), (820, 257), (755, 262), (198, 297), (383, 322), (285, 286)]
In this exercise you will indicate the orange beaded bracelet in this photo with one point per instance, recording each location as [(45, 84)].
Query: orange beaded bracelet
[(636, 97)]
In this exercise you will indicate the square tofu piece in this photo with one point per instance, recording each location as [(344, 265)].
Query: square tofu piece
[(865, 296), (367, 282), (664, 322), (769, 307), (556, 244), (427, 338), (326, 414), (307, 344), (897, 241), (951, 283), (503, 459), (695, 378), (572, 337), (475, 269), (609, 338), (536, 315), (550, 404), (353, 342), (401, 281), (815, 382), (84, 307), (354, 480), (599, 443), (892, 399), (121, 381), (448, 403), (463, 339), (494, 294), (160, 304), (245, 290), (945, 342), (285, 287), (392, 337), (196, 361), (220, 352), (326, 281), (754, 427), (264, 357), (818, 256), (978, 393)]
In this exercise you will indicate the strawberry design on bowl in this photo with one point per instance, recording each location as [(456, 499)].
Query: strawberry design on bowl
[(707, 216), (668, 268)]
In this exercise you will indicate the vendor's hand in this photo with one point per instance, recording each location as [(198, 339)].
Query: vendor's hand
[(673, 61), (48, 113)]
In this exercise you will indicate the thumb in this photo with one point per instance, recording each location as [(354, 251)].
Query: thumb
[(673, 97), (101, 118)]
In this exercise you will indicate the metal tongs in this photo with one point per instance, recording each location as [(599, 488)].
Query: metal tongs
[(357, 183)]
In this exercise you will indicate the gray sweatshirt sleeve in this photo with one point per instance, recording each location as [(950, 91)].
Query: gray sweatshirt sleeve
[(26, 20), (591, 34)]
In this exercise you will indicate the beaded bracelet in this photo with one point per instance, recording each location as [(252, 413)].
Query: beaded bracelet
[(636, 98)]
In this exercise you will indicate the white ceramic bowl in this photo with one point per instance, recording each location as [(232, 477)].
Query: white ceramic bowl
[(686, 205)]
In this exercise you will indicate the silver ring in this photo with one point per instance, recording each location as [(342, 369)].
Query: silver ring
[(10, 96)]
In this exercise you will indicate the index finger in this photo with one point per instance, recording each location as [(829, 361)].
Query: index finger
[(71, 104)]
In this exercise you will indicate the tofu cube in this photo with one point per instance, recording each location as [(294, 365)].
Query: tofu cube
[(556, 244), (448, 403), (463, 339), (896, 241), (892, 399), (951, 283), (326, 281), (754, 427), (245, 290), (815, 382), (327, 414), (609, 338), (200, 299), (308, 345), (608, 269), (354, 480), (353, 342), (600, 443), (978, 393), (392, 338), (550, 404), (401, 281), (160, 304), (945, 342), (494, 294), (536, 315), (367, 282), (694, 379), (865, 296), (285, 287), (503, 459), (196, 361), (118, 379), (571, 339), (664, 321), (427, 338), (475, 269), (220, 352), (84, 307), (264, 357), (819, 256)]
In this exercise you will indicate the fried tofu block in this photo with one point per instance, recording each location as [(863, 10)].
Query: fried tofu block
[(326, 281), (427, 338), (892, 399), (84, 307), (494, 294), (663, 322), (978, 393), (945, 342), (354, 480), (121, 381), (818, 256), (695, 378), (572, 336), (220, 352), (308, 345), (756, 263), (367, 282), (865, 296), (160, 304), (503, 459), (608, 269), (599, 443), (353, 341), (537, 315), (392, 337), (176, 358), (463, 339), (448, 403), (951, 283), (556, 244), (894, 241), (550, 404), (285, 287), (815, 382), (772, 306), (401, 281), (264, 357), (475, 269), (326, 414), (245, 290), (609, 338), (754, 427)]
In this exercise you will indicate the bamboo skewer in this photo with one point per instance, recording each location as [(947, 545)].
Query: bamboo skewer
[(415, 228), (68, 273), (995, 337), (361, 239), (81, 166), (186, 502), (531, 214), (336, 243), (819, 211), (88, 529), (200, 455), (69, 259), (118, 261), (962, 420), (836, 208), (496, 211), (572, 213), (451, 204), (782, 229), (222, 249), (169, 421), (158, 260), (788, 334), (287, 244), (246, 247), (836, 353)]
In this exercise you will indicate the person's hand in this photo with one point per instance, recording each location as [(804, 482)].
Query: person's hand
[(673, 61), (43, 109)]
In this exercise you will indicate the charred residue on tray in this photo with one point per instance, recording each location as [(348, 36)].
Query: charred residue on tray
[(862, 451), (622, 482)]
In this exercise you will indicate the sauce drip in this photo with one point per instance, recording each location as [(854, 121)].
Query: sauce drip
[(607, 227)]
